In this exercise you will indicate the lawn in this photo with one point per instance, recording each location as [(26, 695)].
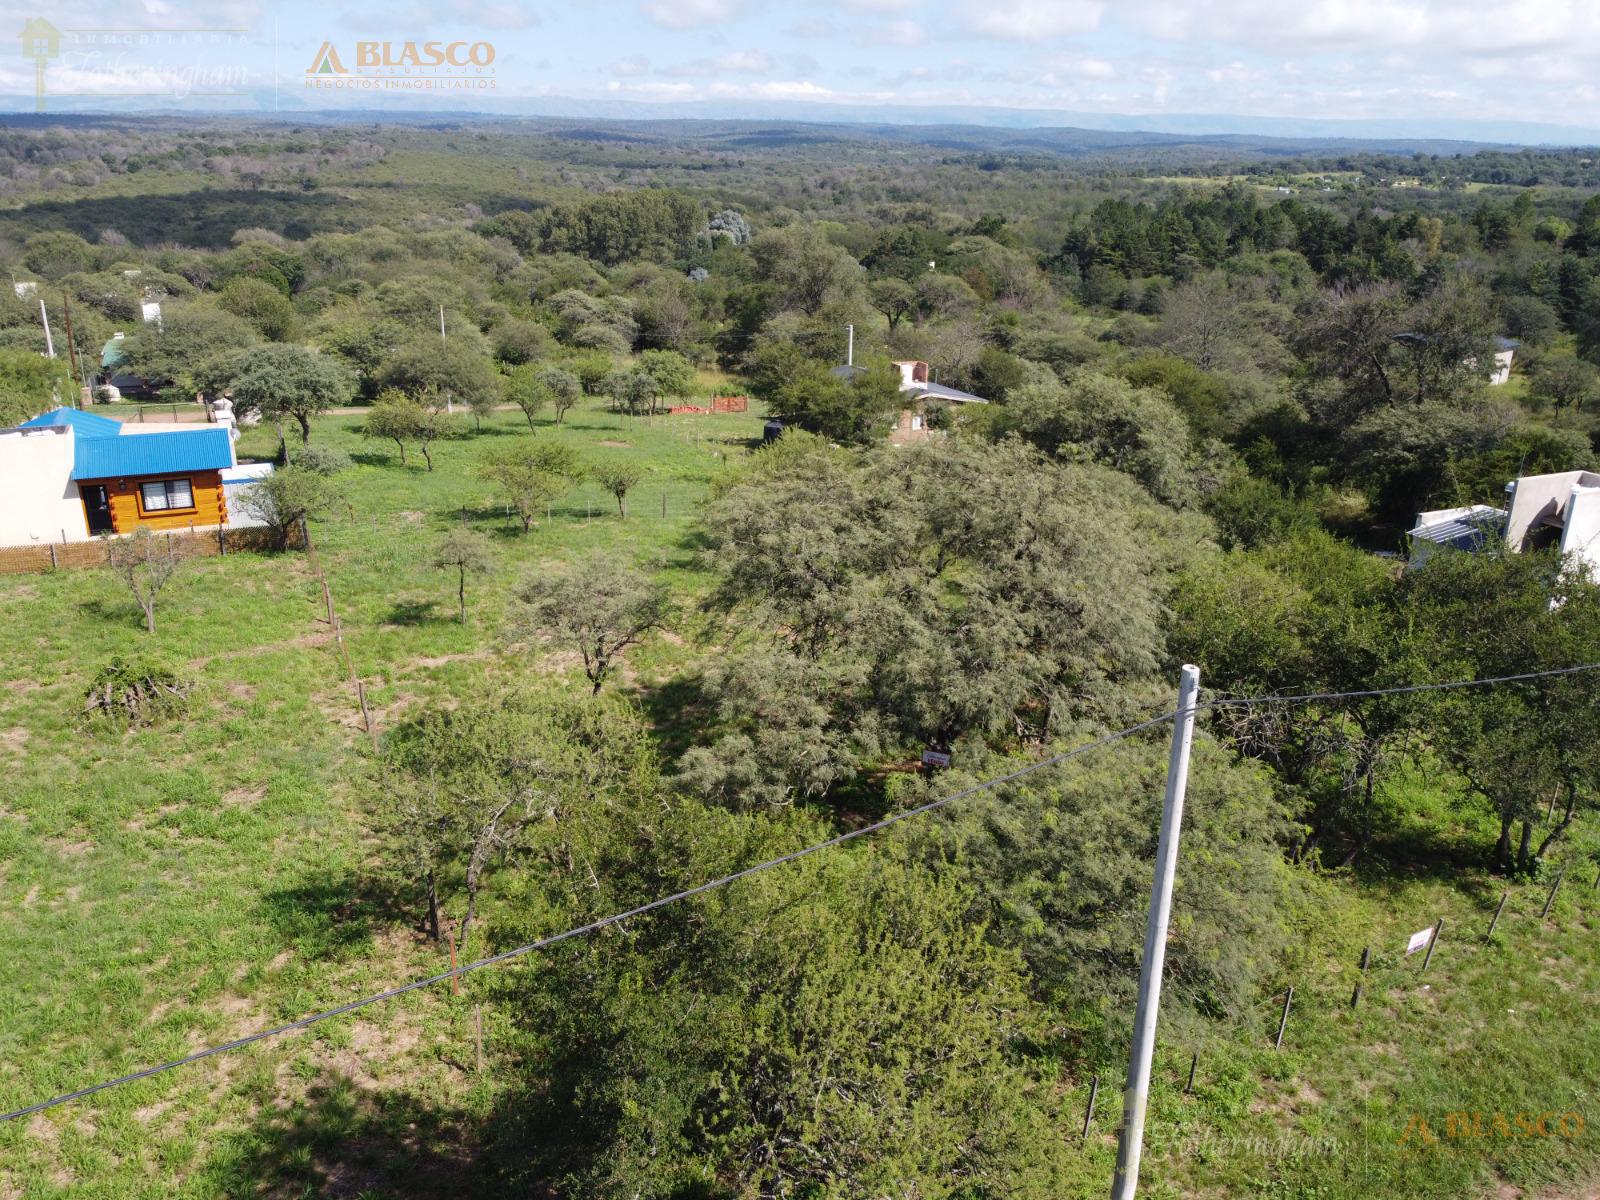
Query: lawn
[(186, 884), (178, 886)]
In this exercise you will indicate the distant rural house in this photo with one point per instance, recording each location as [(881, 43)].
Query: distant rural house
[(1470, 528), (918, 420), (1505, 349), (1559, 511), (114, 371), (70, 476)]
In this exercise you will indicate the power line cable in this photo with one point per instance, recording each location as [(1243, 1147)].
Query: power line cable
[(849, 835), (1306, 697), (591, 927)]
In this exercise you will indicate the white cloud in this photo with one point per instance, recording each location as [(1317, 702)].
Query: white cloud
[(630, 68), (688, 14), (753, 62), (1080, 68), (1438, 27), (1034, 20), (897, 33)]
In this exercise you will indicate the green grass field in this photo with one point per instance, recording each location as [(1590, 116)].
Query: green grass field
[(173, 887)]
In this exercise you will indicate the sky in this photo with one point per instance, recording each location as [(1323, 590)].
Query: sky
[(1532, 60)]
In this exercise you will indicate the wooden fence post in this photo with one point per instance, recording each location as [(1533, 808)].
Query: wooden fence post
[(477, 1022), (1088, 1112), (1551, 898), (1366, 957), (1432, 942), (366, 714), (1498, 909), (1194, 1063), (54, 565)]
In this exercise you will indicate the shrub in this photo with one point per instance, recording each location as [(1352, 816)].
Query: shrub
[(137, 689)]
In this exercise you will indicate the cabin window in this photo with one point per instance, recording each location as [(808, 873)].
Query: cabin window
[(916, 420), (166, 494)]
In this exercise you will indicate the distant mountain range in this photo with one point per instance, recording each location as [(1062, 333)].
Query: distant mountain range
[(1045, 129)]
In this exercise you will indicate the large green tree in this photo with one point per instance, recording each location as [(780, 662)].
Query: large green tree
[(839, 1028), (30, 384), (918, 596), (286, 382), (1494, 613)]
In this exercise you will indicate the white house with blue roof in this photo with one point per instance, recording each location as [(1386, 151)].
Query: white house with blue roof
[(69, 476)]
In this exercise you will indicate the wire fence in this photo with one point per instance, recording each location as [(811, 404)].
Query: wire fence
[(42, 557)]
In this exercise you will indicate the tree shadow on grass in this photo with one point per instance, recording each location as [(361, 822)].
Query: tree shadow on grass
[(414, 612), (376, 458), (1403, 856), (754, 442), (491, 520), (117, 612), (696, 540), (679, 712), (343, 1142), (333, 916)]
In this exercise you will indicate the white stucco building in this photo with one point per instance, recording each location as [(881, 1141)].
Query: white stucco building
[(1560, 511)]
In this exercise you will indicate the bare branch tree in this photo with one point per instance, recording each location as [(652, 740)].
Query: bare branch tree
[(146, 563)]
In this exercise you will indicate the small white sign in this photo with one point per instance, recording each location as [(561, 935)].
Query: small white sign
[(935, 758), (1418, 941)]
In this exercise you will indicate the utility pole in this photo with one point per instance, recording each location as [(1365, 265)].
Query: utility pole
[(49, 342), (850, 346), (449, 407), (1135, 1097), (74, 367)]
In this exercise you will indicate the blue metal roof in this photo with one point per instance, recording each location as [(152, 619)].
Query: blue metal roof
[(83, 424), (165, 453)]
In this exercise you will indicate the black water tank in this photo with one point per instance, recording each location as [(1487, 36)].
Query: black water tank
[(772, 431)]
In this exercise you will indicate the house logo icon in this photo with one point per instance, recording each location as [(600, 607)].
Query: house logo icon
[(326, 62), (41, 41)]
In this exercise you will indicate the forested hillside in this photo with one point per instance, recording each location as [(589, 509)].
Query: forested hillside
[(607, 650)]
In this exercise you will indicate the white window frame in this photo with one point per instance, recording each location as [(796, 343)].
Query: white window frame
[(167, 495)]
